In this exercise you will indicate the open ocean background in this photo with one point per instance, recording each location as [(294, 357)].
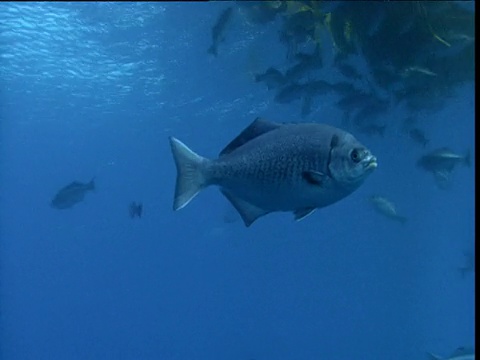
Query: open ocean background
[(94, 90)]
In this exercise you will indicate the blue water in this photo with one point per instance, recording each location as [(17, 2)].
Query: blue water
[(94, 90)]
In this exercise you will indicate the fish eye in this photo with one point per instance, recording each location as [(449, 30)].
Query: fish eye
[(355, 155)]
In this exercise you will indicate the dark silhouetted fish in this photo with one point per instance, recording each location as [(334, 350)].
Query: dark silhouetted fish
[(418, 136), (218, 30), (443, 159), (306, 63), (272, 78), (290, 93), (273, 167), (441, 163), (135, 209), (72, 194)]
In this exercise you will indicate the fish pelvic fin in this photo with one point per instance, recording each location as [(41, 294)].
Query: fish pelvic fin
[(191, 174)]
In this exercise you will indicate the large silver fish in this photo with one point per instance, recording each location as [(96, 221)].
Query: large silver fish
[(274, 167)]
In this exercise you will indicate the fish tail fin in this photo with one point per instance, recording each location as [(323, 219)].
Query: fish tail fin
[(191, 174), (467, 159), (91, 184), (402, 219)]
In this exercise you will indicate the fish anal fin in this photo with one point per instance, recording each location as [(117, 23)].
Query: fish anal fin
[(247, 211)]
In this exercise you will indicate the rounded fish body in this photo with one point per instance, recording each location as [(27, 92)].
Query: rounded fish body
[(290, 168), (273, 167)]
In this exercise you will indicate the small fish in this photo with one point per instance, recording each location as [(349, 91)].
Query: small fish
[(306, 63), (271, 167), (461, 353), (443, 161), (72, 194), (386, 208), (135, 209), (218, 30), (272, 77), (290, 93), (418, 136)]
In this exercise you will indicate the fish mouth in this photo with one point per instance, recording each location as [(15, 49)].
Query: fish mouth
[(370, 162)]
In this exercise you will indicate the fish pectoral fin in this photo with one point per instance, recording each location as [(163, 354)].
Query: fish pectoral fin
[(247, 211), (314, 177), (303, 213)]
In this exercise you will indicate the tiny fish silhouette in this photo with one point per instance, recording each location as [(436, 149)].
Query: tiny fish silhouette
[(72, 194), (135, 209)]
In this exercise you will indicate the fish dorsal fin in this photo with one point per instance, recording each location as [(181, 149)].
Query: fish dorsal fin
[(247, 211), (258, 127)]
